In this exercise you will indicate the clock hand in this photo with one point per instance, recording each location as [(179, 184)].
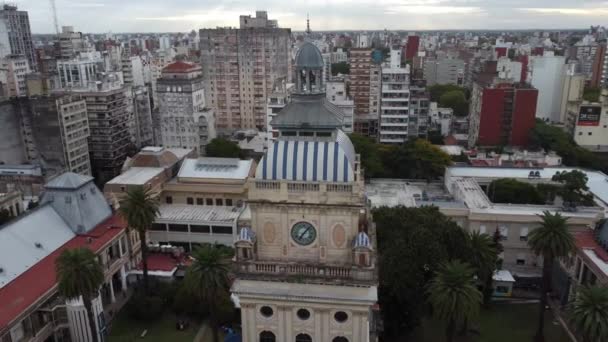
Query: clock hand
[(305, 231)]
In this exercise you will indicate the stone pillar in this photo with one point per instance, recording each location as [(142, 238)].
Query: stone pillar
[(307, 80), (78, 319), (325, 328), (251, 328), (282, 321), (123, 278), (356, 327), (289, 325), (112, 297)]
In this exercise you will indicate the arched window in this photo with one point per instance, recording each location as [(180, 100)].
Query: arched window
[(303, 338), (267, 336), (340, 339)]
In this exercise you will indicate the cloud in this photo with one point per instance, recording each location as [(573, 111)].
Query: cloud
[(568, 11), (430, 10)]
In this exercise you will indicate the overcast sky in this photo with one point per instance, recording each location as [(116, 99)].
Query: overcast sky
[(185, 15)]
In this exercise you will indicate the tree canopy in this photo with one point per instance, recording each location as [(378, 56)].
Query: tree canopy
[(340, 68), (223, 148), (456, 100), (591, 94), (589, 313), (412, 242), (553, 138), (437, 90), (508, 190), (417, 159), (574, 190)]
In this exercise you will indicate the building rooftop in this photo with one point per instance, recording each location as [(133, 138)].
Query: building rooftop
[(309, 56), (68, 180), (395, 192), (215, 168), (39, 279), (180, 66), (198, 214), (137, 175), (309, 112)]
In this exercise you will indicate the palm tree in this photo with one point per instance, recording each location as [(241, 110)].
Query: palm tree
[(590, 313), (139, 207), (551, 240), (207, 280), (453, 295), (80, 274), (483, 258)]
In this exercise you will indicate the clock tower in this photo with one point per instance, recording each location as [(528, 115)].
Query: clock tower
[(306, 267)]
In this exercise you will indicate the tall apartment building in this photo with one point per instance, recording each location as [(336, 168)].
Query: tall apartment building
[(109, 122), (70, 43), (15, 68), (141, 110), (15, 34), (571, 98), (411, 49), (584, 53), (548, 76), (81, 71), (365, 90), (59, 131), (183, 118), (394, 106), (418, 117), (501, 114), (241, 68), (444, 71)]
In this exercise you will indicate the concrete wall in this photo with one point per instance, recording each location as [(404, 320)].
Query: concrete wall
[(12, 149)]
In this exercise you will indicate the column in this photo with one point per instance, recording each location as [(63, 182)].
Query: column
[(123, 278), (307, 80), (319, 313), (282, 321), (356, 327), (251, 328), (112, 297), (325, 329), (288, 325)]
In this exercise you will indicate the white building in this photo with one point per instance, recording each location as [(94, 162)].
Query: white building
[(80, 72), (394, 104), (441, 118), (183, 118), (164, 42), (509, 70), (591, 129), (337, 95), (548, 77), (15, 68)]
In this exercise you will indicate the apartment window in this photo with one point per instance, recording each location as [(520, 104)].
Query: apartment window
[(158, 227), (199, 229), (190, 200), (523, 234), (209, 201), (580, 133), (178, 227), (229, 202), (521, 259), (219, 201), (169, 200), (589, 133), (199, 201), (504, 233), (482, 229)]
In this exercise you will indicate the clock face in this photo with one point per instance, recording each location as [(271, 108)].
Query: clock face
[(303, 233)]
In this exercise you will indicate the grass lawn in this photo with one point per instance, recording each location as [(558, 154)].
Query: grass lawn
[(502, 323), (124, 329)]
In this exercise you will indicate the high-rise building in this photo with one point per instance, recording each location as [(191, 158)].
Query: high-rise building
[(444, 71), (395, 98), (16, 68), (571, 98), (548, 76), (15, 34), (365, 89), (241, 68), (411, 48), (81, 71), (306, 265), (141, 109), (501, 114), (184, 119), (70, 43)]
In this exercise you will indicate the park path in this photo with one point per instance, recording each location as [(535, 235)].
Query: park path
[(202, 333)]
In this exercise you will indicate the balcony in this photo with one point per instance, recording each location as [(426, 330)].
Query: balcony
[(328, 274), (306, 192)]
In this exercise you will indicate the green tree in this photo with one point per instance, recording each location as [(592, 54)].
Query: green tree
[(437, 90), (421, 160), (340, 68), (453, 295), (589, 313), (223, 148), (483, 258), (412, 243), (456, 100), (591, 94), (574, 189), (5, 216), (79, 274), (370, 156), (552, 240), (207, 280), (508, 190), (139, 207)]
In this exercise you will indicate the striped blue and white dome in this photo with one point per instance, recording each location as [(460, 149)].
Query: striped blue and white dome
[(315, 161), (246, 234), (362, 240)]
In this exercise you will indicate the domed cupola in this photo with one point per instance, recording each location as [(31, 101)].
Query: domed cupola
[(309, 70)]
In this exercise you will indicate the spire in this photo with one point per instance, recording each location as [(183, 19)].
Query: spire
[(307, 24)]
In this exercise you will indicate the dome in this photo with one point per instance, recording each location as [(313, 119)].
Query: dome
[(309, 56)]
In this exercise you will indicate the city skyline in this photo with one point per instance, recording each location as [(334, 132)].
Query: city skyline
[(186, 15)]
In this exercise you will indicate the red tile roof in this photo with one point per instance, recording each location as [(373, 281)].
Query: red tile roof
[(25, 290), (164, 262), (180, 66), (586, 240)]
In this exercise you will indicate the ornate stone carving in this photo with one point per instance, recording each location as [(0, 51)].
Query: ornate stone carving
[(338, 235), (269, 232)]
